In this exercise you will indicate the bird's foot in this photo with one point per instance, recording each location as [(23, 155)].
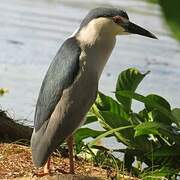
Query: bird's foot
[(61, 171), (41, 174), (64, 172), (46, 170)]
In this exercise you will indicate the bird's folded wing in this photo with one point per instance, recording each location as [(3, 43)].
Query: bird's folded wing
[(60, 75)]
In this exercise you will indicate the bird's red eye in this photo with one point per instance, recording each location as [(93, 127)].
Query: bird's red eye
[(118, 19)]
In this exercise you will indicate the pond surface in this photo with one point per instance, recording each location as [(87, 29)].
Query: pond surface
[(31, 32)]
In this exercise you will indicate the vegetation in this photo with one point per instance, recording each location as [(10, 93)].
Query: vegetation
[(151, 136), (171, 14), (3, 91)]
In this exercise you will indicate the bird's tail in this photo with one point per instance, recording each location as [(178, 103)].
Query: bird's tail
[(39, 151), (43, 143)]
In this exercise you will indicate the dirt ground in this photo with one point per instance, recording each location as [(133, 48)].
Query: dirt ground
[(15, 161)]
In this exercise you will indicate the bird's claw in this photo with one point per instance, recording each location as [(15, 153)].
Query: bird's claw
[(41, 174)]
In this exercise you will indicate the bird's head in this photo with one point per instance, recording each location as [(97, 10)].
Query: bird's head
[(110, 22)]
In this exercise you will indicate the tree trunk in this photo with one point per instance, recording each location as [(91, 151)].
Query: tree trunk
[(11, 131)]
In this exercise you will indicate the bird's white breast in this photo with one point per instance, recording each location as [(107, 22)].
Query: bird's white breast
[(94, 58), (97, 41)]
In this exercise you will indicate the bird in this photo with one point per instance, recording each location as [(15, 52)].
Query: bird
[(70, 85)]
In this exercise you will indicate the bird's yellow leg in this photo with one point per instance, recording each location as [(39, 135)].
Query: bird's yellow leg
[(47, 167), (71, 157), (46, 170)]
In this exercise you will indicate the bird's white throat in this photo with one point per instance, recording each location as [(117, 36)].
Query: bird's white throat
[(99, 29), (97, 41)]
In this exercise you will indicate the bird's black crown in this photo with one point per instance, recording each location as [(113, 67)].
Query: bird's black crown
[(103, 12)]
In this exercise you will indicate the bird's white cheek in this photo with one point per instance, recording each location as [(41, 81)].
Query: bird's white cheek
[(121, 31), (124, 33), (118, 30)]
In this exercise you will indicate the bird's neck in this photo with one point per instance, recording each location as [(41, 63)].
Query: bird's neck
[(96, 32), (96, 49)]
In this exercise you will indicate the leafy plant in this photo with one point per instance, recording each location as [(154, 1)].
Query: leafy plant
[(3, 91), (151, 136), (171, 14)]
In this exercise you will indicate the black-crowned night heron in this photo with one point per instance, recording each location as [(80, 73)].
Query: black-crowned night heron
[(70, 86)]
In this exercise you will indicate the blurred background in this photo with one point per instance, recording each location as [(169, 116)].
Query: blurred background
[(31, 33)]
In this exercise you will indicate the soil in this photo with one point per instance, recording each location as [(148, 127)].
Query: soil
[(15, 161)]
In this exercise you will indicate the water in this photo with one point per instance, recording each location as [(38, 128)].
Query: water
[(31, 32)]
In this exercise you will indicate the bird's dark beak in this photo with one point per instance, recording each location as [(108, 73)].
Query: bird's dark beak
[(135, 29)]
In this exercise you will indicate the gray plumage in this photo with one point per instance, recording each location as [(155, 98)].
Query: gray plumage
[(59, 76), (65, 97)]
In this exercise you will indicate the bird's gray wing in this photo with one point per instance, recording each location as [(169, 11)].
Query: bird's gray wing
[(60, 75)]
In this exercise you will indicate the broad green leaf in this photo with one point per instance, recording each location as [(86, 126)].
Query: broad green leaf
[(102, 102), (147, 101), (147, 128), (159, 173), (172, 15), (90, 118), (158, 100), (166, 151), (84, 133), (106, 134), (111, 121), (106, 103), (170, 135), (144, 115), (164, 131), (157, 115), (150, 135), (141, 142), (129, 158), (3, 91), (176, 114), (136, 118), (128, 80)]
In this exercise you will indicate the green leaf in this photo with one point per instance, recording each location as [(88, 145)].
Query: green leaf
[(129, 158), (172, 15), (159, 174), (84, 133), (3, 91), (176, 114), (107, 133), (166, 151), (165, 132), (147, 128), (128, 80), (106, 103), (157, 115), (90, 118), (158, 100), (148, 102), (111, 121)]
